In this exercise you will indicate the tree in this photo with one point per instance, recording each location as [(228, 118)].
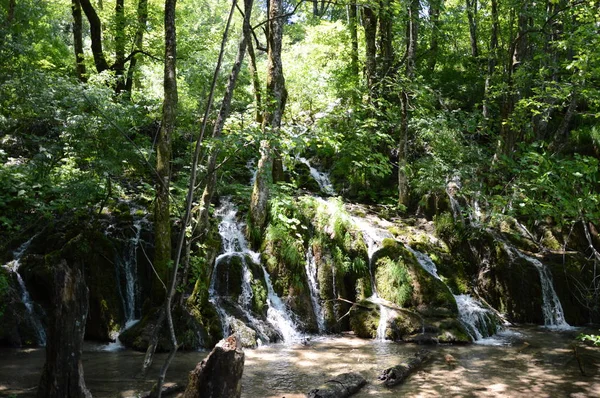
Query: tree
[(276, 97)]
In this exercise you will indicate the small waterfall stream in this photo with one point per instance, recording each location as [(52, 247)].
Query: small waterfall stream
[(554, 316), (374, 237), (321, 178), (278, 314), (311, 274), (235, 245), (32, 315), (477, 319)]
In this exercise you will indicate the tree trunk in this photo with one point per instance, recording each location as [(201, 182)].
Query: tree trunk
[(341, 386), (96, 35), (62, 375), (412, 32), (274, 107), (224, 112), (220, 374), (142, 19), (78, 40), (385, 56), (369, 21), (397, 374), (119, 66), (492, 58), (471, 16), (255, 80), (162, 223), (352, 25), (10, 15), (434, 17)]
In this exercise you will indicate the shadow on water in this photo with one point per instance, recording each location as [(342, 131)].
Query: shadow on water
[(529, 362)]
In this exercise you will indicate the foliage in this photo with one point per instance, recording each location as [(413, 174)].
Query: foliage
[(593, 338)]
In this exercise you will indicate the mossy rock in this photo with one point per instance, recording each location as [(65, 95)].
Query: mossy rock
[(229, 275), (402, 280), (364, 319)]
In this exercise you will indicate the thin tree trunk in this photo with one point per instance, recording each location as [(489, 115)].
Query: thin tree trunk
[(471, 15), (142, 19), (96, 35), (10, 16), (274, 107), (119, 66), (352, 25), (434, 16), (411, 51), (386, 53), (492, 58), (255, 81), (78, 40), (369, 21), (162, 225), (170, 37), (224, 112)]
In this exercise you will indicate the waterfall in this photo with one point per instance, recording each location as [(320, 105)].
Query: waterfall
[(234, 245), (321, 178), (425, 261), (374, 237), (33, 317), (475, 317), (278, 315), (551, 307), (311, 273), (131, 299)]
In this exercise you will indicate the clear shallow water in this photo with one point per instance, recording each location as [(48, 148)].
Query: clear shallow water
[(525, 362)]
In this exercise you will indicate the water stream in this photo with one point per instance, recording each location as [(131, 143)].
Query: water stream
[(321, 178), (374, 237), (32, 314), (235, 245), (311, 274)]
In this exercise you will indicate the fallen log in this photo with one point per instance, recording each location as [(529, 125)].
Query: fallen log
[(396, 374), (219, 375), (341, 386)]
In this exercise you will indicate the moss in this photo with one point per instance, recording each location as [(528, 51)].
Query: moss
[(364, 319), (393, 281), (550, 241)]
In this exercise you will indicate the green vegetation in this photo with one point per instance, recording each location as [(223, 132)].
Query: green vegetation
[(480, 117)]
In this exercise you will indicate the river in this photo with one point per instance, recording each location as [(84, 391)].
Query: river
[(524, 362)]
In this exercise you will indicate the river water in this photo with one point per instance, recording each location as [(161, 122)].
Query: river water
[(524, 362)]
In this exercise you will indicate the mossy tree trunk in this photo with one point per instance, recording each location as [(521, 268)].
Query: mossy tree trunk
[(275, 104), (162, 215)]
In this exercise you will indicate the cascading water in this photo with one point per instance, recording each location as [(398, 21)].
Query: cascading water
[(131, 297), (425, 261), (311, 273), (33, 317), (234, 245), (478, 320), (321, 178), (475, 317), (278, 315), (374, 237), (554, 316)]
